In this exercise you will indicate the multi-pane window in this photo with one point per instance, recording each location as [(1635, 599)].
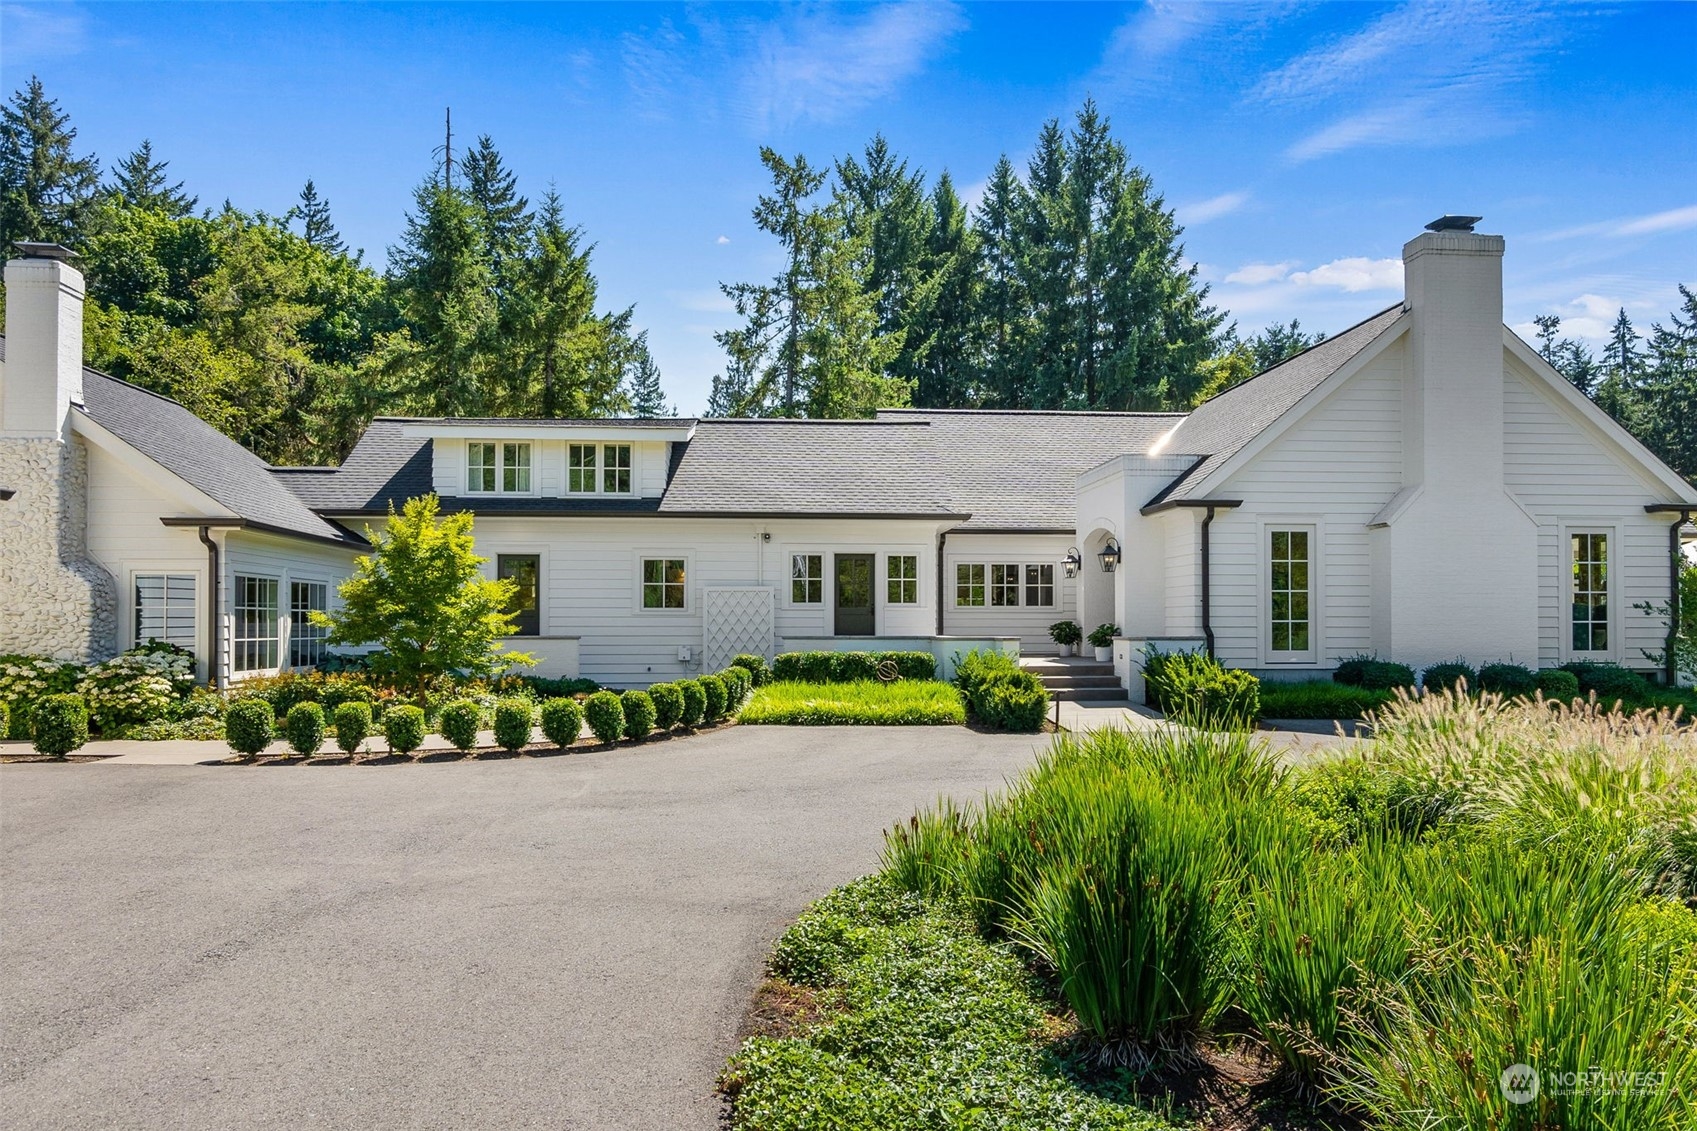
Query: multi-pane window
[(902, 579), (1040, 585), (1004, 585), (1590, 592), (1288, 590), (254, 610), (969, 585), (580, 468), (491, 466), (662, 583), (615, 469), (165, 608), (480, 466), (306, 640), (807, 579)]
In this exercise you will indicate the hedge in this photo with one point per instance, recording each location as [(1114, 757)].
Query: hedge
[(606, 716), (1508, 679), (695, 702), (848, 667), (1444, 677), (639, 714), (755, 666), (668, 704), (1609, 681), (1000, 693), (738, 684), (1373, 674), (718, 700), (513, 719), (562, 721), (304, 728), (60, 724), (1563, 687)]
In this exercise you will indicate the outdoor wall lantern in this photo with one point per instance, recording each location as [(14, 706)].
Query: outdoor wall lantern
[(1071, 562), (1110, 556)]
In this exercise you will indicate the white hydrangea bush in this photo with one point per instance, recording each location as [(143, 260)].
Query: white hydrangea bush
[(133, 688), (24, 679)]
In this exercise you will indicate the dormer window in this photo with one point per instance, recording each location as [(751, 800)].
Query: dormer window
[(615, 469), (493, 467), (580, 468), (603, 468)]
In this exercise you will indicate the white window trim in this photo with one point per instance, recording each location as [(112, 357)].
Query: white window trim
[(1564, 560), (1054, 586), (494, 550), (286, 614), (918, 579), (129, 609), (1316, 652), (690, 582), (954, 585), (566, 467), (635, 468), (282, 636), (501, 447), (826, 578)]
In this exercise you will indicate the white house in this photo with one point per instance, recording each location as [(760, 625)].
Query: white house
[(1421, 486)]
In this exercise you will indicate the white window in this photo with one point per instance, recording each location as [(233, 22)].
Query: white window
[(491, 467), (615, 469), (1040, 585), (306, 640), (254, 609), (807, 579), (1590, 550), (165, 608), (969, 585), (662, 583), (1290, 593), (515, 468), (580, 468), (1004, 585), (902, 579), (480, 468)]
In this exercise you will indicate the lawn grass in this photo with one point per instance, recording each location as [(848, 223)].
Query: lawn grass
[(864, 703), (1318, 699)]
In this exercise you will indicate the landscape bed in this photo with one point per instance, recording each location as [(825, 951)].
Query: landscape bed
[(860, 703), (1490, 883)]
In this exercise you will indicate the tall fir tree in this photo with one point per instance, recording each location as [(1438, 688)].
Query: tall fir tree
[(317, 228), (647, 399), (942, 331), (1667, 392), (885, 204), (47, 192), (141, 182), (1002, 319)]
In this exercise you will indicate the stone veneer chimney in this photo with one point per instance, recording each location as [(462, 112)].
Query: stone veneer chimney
[(54, 600)]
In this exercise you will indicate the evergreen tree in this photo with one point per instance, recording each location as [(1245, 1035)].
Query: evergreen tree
[(1666, 395), (46, 191), (1571, 358), (317, 228), (1002, 319), (1278, 342), (942, 333), (1626, 355), (505, 214), (885, 204), (140, 181), (646, 397)]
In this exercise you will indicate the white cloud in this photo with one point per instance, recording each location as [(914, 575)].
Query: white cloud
[(1672, 220), (1260, 274), (41, 31), (1383, 125), (1353, 274), (722, 240), (1159, 42), (1202, 211)]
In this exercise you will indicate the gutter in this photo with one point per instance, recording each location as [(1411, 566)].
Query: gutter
[(352, 542), (204, 527), (1684, 513), (942, 537)]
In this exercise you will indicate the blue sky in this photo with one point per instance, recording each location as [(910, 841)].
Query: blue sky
[(1302, 144)]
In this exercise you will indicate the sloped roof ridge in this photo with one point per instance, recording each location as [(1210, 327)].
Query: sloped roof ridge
[(1301, 353)]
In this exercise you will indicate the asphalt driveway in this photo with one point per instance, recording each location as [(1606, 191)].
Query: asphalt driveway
[(562, 942)]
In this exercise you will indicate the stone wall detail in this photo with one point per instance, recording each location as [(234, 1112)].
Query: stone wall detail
[(54, 599)]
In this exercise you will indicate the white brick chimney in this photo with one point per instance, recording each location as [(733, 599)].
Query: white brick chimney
[(54, 599), (1461, 556)]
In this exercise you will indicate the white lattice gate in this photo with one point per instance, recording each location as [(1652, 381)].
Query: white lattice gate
[(735, 621)]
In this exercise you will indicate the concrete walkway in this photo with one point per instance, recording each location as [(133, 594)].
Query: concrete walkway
[(127, 752), (1296, 740)]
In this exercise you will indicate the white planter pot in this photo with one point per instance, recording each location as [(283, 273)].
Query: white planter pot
[(1063, 649), (1103, 655)]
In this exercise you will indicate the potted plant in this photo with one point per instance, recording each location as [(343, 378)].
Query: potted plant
[(1102, 639), (1066, 634)]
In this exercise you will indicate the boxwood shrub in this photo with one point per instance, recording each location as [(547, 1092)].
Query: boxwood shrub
[(1508, 679), (668, 704), (562, 721), (1373, 674), (513, 719), (713, 688), (738, 685), (639, 714), (249, 726), (403, 726), (695, 702), (1444, 677), (352, 724), (755, 666), (606, 716), (1016, 702), (847, 667), (304, 728), (458, 723), (1609, 681), (60, 724), (1563, 687)]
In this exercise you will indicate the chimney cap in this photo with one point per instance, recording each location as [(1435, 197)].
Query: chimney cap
[(1453, 223), (34, 250)]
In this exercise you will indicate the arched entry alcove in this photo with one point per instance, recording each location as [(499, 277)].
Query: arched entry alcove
[(1097, 602)]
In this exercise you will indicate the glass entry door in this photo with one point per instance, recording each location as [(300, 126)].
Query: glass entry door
[(524, 571), (855, 613)]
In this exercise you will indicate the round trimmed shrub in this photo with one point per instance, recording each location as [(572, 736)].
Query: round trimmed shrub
[(639, 714), (737, 687), (1016, 704), (60, 724), (458, 723), (668, 704), (1557, 685), (1374, 675), (352, 724), (562, 721), (695, 702), (403, 726), (1609, 681), (513, 719), (606, 716), (249, 726), (755, 666), (1508, 680), (304, 728), (713, 688), (1444, 677)]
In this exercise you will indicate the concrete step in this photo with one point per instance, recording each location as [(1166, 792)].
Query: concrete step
[(1061, 682), (1066, 667), (1113, 694)]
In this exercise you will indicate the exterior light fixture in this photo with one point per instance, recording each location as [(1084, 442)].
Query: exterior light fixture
[(1110, 556), (1072, 561)]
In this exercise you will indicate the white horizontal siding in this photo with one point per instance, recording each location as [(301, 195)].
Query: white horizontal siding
[(287, 560), (548, 465), (1030, 624)]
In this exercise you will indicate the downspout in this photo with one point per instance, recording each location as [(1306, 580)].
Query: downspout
[(1207, 602), (1676, 561), (212, 616), (942, 537)]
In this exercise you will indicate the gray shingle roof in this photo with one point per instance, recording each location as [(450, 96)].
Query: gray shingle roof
[(200, 455), (384, 467), (1017, 470), (1223, 424)]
